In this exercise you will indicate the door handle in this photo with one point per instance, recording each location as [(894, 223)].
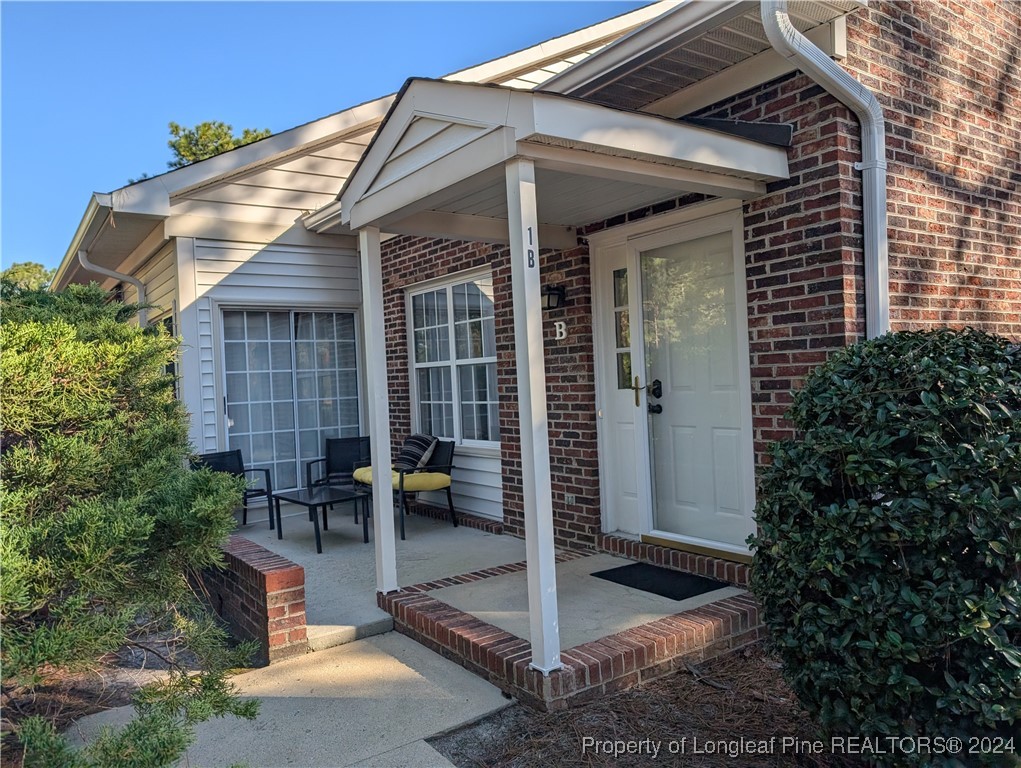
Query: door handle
[(656, 389), (637, 390), (655, 408)]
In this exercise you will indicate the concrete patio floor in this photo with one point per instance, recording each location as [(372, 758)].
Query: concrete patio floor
[(463, 592), (340, 583)]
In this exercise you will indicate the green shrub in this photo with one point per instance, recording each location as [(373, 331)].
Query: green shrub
[(102, 521), (887, 558)]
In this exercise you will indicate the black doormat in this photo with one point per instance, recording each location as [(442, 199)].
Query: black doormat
[(661, 581)]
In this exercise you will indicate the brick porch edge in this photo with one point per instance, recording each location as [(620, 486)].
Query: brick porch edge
[(590, 670), (468, 520)]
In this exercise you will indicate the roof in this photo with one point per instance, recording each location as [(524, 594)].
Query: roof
[(439, 157)]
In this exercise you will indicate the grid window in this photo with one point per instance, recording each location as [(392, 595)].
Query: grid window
[(453, 332)]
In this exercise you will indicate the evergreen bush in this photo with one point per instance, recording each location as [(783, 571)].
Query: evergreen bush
[(102, 521), (887, 558)]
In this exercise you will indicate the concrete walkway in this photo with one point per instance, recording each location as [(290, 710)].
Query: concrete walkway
[(368, 703)]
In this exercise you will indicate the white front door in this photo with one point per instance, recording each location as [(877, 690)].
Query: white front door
[(690, 402), (694, 394)]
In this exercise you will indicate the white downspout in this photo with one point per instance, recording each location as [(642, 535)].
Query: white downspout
[(88, 266), (792, 45)]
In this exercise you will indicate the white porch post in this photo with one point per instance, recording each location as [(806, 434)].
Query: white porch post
[(374, 337), (523, 223)]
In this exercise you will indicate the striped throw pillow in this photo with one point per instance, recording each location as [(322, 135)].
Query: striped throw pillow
[(415, 452)]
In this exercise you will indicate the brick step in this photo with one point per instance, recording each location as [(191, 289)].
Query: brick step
[(590, 670)]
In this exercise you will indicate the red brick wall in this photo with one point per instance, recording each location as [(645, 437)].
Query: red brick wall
[(261, 596), (410, 261), (948, 75)]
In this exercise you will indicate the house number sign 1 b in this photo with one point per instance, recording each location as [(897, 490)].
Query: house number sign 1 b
[(530, 250)]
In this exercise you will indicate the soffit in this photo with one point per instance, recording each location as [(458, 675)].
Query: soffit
[(687, 45)]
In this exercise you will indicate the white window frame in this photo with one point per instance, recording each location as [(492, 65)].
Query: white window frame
[(446, 283)]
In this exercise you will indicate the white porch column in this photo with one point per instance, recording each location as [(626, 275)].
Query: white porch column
[(374, 339), (523, 223)]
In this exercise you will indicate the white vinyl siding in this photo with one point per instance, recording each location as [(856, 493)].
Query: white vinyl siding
[(207, 376), (300, 275), (159, 275), (254, 276), (477, 484)]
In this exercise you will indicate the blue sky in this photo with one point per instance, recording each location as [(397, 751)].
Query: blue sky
[(88, 88)]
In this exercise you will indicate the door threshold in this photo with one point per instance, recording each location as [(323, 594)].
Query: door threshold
[(720, 554)]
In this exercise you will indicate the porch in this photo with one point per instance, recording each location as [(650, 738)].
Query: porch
[(464, 594)]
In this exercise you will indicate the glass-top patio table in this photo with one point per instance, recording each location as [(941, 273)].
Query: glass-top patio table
[(323, 496)]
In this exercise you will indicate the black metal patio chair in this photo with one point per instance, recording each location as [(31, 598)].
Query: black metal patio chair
[(343, 454), (232, 463)]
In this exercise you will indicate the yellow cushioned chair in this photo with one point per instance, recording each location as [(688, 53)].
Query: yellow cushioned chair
[(433, 476)]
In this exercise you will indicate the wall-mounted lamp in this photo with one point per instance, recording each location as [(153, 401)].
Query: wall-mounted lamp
[(553, 296)]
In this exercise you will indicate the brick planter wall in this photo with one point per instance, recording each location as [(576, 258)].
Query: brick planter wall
[(261, 597)]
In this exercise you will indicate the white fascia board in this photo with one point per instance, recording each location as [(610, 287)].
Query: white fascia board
[(96, 212), (654, 137), (666, 32), (831, 38), (558, 48)]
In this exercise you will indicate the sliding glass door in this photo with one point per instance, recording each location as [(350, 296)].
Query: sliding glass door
[(291, 382)]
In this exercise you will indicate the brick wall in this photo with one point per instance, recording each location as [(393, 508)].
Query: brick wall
[(409, 261), (948, 75), (261, 596)]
